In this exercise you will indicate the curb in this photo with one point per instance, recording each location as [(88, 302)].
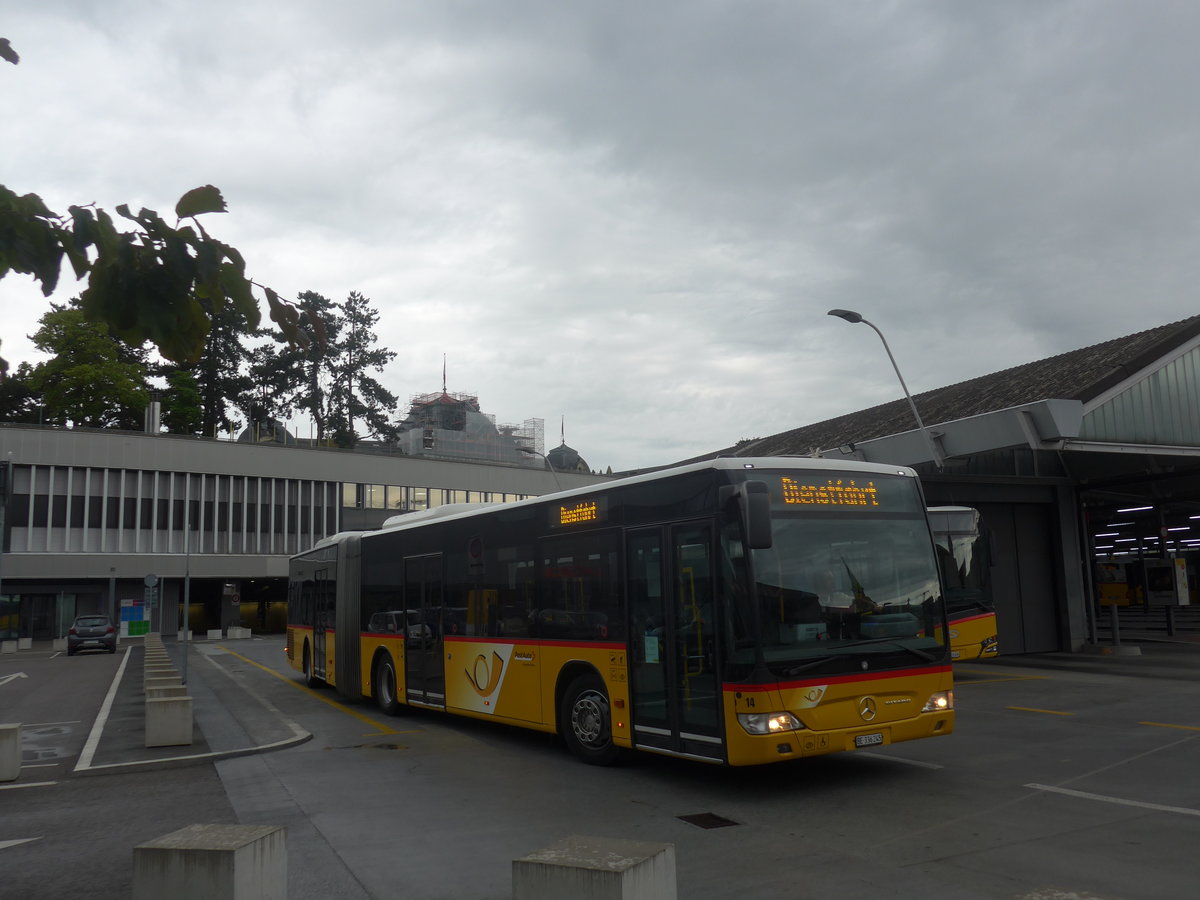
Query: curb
[(177, 762)]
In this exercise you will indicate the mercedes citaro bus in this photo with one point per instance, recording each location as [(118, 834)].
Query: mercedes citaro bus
[(734, 611)]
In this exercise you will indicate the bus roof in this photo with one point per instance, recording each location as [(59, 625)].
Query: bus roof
[(725, 463)]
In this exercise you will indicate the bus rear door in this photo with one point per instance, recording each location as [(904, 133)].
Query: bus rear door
[(324, 608)]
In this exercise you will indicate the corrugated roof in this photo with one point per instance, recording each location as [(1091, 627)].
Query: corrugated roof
[(1076, 375)]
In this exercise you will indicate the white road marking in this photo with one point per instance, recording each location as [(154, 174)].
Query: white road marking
[(25, 784), (900, 759), (7, 678), (1141, 804), (4, 845), (93, 741)]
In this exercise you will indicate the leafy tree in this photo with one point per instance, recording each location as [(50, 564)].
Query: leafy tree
[(357, 394), (92, 379), (296, 375), (19, 402)]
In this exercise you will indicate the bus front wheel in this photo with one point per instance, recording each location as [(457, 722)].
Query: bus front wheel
[(385, 686), (586, 721)]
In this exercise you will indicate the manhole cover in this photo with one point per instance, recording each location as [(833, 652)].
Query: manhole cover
[(708, 820)]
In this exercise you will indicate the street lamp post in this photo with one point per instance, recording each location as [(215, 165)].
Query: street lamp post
[(854, 318), (549, 465)]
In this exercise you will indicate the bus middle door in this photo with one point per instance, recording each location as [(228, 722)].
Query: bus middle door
[(424, 669), (675, 688)]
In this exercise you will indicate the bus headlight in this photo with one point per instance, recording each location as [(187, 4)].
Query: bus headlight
[(939, 702), (769, 723)]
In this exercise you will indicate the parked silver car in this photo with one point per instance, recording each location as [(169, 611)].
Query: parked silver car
[(91, 633)]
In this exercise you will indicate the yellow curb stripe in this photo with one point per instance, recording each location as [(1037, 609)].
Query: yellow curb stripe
[(1049, 712)]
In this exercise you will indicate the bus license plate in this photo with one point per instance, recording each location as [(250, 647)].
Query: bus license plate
[(868, 740)]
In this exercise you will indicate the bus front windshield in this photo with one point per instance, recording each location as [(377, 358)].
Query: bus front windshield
[(833, 588)]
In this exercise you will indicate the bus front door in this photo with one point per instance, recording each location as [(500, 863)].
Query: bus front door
[(675, 688), (424, 670)]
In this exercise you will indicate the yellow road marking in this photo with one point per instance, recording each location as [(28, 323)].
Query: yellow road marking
[(1168, 725), (1049, 712), (334, 703)]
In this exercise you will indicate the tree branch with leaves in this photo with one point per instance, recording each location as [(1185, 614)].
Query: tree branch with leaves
[(157, 282)]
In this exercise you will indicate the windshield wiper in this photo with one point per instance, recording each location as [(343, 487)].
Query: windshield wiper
[(813, 663), (928, 657)]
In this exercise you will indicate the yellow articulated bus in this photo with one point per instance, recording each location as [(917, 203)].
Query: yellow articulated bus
[(965, 558), (735, 611)]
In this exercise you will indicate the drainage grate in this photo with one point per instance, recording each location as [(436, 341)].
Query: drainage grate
[(708, 820)]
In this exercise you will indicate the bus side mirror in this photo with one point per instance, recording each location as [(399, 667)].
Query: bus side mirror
[(754, 507)]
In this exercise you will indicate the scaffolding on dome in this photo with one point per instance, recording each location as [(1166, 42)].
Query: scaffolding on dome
[(446, 424)]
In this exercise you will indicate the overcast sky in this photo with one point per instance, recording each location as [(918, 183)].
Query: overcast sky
[(635, 215)]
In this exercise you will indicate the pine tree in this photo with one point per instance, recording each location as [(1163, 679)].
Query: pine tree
[(357, 394), (296, 376)]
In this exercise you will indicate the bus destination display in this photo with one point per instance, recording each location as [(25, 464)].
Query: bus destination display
[(583, 512), (830, 492)]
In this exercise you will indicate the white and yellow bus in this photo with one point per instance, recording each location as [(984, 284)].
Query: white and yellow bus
[(735, 611)]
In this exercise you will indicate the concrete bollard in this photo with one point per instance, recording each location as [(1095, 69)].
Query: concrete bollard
[(160, 680), (169, 722), (168, 690), (58, 644), (10, 752), (24, 643), (8, 646), (203, 862), (214, 634), (592, 868)]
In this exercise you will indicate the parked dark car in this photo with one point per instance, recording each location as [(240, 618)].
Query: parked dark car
[(91, 633)]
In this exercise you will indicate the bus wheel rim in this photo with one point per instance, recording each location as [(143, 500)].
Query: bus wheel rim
[(588, 718)]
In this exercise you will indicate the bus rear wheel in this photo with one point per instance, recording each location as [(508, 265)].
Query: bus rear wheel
[(309, 678), (385, 686), (586, 722)]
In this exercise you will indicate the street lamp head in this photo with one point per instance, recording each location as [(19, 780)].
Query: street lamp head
[(848, 314)]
